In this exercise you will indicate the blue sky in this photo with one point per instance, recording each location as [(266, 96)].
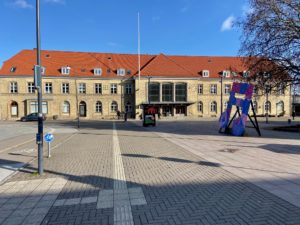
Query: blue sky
[(175, 27)]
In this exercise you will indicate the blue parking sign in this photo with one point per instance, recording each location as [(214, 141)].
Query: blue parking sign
[(48, 137)]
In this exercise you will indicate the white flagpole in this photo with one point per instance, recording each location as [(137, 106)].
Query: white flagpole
[(139, 50)]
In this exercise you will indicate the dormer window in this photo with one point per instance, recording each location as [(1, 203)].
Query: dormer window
[(121, 72), (97, 71), (245, 73), (65, 70), (128, 72), (226, 73), (43, 69), (13, 69), (205, 73)]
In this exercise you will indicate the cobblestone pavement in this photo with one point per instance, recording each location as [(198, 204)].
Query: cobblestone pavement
[(121, 173)]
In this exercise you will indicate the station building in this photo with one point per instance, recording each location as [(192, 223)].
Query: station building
[(97, 85)]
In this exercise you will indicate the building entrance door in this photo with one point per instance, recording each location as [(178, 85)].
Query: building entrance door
[(82, 109), (167, 110)]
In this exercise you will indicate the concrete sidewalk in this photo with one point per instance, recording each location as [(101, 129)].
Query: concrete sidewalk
[(121, 173)]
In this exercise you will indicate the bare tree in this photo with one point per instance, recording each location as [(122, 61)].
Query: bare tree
[(271, 39)]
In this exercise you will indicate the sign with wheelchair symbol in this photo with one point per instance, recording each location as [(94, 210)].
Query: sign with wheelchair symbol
[(48, 137)]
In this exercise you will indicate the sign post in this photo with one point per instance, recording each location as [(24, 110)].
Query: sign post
[(49, 138)]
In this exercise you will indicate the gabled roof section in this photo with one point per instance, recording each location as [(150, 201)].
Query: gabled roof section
[(162, 65), (82, 64)]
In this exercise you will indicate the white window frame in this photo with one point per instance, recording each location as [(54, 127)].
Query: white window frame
[(82, 88), (34, 107), (128, 89), (30, 87), (226, 73), (121, 72), (113, 89), (48, 88), (66, 107), (114, 106), (200, 107), (13, 87), (213, 89), (200, 89), (98, 88), (213, 107), (227, 88), (65, 70), (97, 71), (65, 88), (205, 73), (98, 107)]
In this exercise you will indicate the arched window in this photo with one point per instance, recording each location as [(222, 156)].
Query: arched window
[(200, 107), (82, 109), (14, 108), (268, 107), (280, 108), (213, 107), (98, 107), (114, 106), (66, 107)]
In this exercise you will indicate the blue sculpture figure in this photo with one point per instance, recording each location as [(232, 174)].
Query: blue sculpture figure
[(239, 124)]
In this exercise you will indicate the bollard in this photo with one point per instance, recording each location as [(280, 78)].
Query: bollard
[(289, 121)]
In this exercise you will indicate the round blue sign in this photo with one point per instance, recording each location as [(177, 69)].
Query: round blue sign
[(48, 137)]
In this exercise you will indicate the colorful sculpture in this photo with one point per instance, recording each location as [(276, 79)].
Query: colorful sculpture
[(239, 124)]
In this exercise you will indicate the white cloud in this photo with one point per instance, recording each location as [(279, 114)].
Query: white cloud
[(228, 23), (23, 4)]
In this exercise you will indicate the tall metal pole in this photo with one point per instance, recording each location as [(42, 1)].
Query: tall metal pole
[(39, 90)]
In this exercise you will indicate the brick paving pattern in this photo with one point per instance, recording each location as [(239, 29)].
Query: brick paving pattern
[(178, 187)]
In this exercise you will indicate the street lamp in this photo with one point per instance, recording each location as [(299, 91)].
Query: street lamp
[(38, 85)]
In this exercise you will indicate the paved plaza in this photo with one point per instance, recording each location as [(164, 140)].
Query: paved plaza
[(179, 172)]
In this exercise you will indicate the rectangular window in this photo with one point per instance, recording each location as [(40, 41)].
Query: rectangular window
[(227, 88), (205, 73), (65, 89), (153, 93), (180, 92), (13, 87), (98, 88), (113, 88), (34, 107), (65, 70), (128, 89), (98, 71), (226, 73), (213, 89), (281, 90), (167, 92), (200, 89), (82, 88), (121, 72), (48, 88), (30, 87)]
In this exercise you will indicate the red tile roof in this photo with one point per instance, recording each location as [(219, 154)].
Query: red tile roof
[(83, 63)]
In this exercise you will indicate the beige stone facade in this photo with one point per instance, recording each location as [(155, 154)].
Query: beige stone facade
[(54, 101)]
